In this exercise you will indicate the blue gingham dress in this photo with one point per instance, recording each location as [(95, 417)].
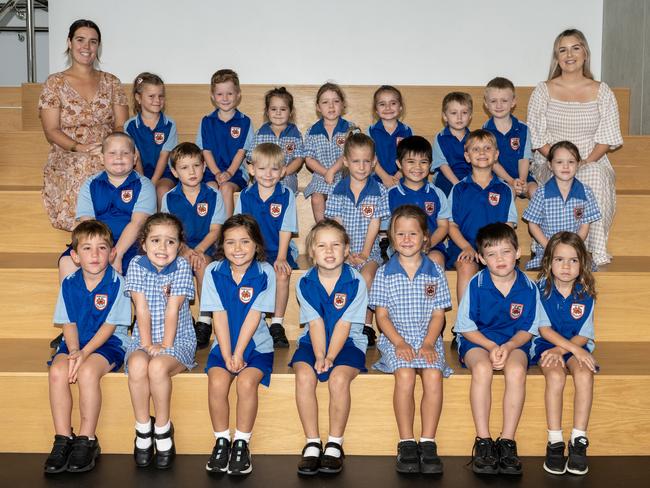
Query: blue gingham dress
[(176, 279), (548, 209), (290, 141), (318, 146), (410, 305), (356, 216)]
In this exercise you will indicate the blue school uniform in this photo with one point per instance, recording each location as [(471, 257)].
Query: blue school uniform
[(150, 143), (256, 291), (483, 308), (571, 316), (429, 198), (473, 207), (326, 151), (513, 146), (290, 141), (115, 206), (386, 144), (356, 215), (197, 219), (553, 214), (277, 214), (410, 305), (348, 302), (447, 149), (90, 309), (224, 139), (175, 279)]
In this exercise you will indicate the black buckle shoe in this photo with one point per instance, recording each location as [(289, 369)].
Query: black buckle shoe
[(555, 462), (430, 462), (279, 337), (577, 463), (164, 459), (484, 459), (57, 461), (309, 465), (84, 454), (408, 459), (240, 458), (144, 457), (218, 462), (332, 464), (509, 462), (203, 333), (370, 333)]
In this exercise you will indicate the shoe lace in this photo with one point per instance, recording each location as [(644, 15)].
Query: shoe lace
[(507, 449), (482, 449)]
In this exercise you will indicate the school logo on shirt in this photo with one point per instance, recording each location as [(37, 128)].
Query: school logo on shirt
[(275, 209), (127, 196), (101, 300), (340, 141), (494, 198), (235, 132), (577, 310), (430, 290), (514, 143), (290, 147), (516, 310), (429, 207), (339, 300), (167, 290), (159, 137), (202, 209), (368, 210), (578, 212), (245, 294)]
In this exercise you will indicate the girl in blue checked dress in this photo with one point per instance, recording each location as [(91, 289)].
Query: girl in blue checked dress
[(163, 342), (324, 146), (237, 289), (410, 295)]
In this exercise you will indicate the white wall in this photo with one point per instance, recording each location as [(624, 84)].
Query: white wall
[(352, 42), (13, 57)]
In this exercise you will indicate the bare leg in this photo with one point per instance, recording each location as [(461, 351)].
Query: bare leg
[(248, 382), (306, 401), (583, 380), (431, 405), (555, 377), (219, 381), (60, 395), (404, 402), (514, 395), (161, 370), (480, 392), (465, 270), (162, 187), (281, 293), (90, 394), (139, 385), (437, 257), (318, 206), (228, 190), (340, 400)]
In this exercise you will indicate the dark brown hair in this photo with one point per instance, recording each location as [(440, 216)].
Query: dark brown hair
[(414, 146), (568, 145), (387, 89), (185, 150), (252, 228), (162, 218), (500, 83), (224, 75), (280, 93), (89, 229), (492, 234)]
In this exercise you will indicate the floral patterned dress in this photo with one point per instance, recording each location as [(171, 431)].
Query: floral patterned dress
[(86, 122)]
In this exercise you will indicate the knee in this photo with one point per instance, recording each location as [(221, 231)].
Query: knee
[(58, 373), (482, 372), (555, 378), (515, 373), (405, 379), (157, 371), (246, 386), (137, 368), (305, 381), (583, 378), (87, 375), (338, 384)]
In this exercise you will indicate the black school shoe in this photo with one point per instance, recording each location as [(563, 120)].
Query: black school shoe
[(57, 461), (309, 465), (144, 457), (370, 333), (408, 457), (280, 340), (240, 458), (218, 462), (430, 462), (164, 459), (509, 462), (577, 463), (555, 462), (203, 333), (84, 454), (332, 464), (484, 457)]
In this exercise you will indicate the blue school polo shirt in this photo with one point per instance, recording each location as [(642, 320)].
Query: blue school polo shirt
[(429, 198), (89, 310), (386, 144), (150, 143), (114, 206), (208, 210), (278, 213), (513, 146), (447, 149), (348, 301)]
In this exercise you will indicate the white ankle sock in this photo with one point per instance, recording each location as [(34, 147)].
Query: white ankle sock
[(206, 319), (225, 434), (404, 440), (426, 439), (245, 436), (141, 443), (312, 451), (555, 436), (331, 451), (277, 320), (163, 444), (577, 433)]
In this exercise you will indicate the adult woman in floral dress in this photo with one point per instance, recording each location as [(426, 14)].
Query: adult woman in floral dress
[(78, 107)]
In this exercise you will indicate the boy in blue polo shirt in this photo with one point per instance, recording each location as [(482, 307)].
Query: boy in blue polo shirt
[(224, 136), (95, 315), (273, 206), (497, 318), (513, 142), (477, 200), (200, 208), (413, 161), (449, 161), (119, 197)]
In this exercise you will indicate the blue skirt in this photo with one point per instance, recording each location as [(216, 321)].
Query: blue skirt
[(464, 346), (262, 361), (111, 350), (350, 355)]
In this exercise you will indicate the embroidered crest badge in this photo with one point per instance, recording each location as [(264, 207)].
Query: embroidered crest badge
[(202, 209), (339, 300), (494, 198), (429, 207), (340, 141), (159, 137), (514, 143), (430, 290), (101, 300), (167, 290), (368, 210), (578, 212), (290, 147), (275, 209), (245, 294), (127, 195), (235, 132), (577, 310), (516, 310)]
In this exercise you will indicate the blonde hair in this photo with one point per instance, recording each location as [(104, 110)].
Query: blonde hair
[(138, 86), (322, 225), (269, 151), (555, 69), (461, 98)]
